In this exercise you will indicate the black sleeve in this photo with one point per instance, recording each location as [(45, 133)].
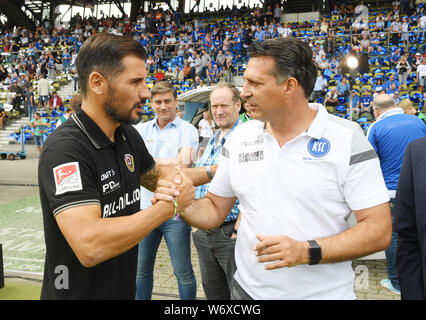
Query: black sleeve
[(409, 260), (67, 176)]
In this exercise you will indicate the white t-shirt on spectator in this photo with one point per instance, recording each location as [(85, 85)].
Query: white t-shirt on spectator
[(421, 69), (206, 129)]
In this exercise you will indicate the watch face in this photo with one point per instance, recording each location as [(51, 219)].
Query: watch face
[(314, 252)]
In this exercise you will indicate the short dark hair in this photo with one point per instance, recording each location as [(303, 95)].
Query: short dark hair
[(161, 87), (104, 53), (293, 58)]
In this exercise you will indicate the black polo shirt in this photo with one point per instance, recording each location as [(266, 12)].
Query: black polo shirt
[(79, 165)]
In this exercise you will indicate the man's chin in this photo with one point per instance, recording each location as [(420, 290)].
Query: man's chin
[(135, 119)]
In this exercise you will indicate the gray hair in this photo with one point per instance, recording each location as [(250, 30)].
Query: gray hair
[(231, 87)]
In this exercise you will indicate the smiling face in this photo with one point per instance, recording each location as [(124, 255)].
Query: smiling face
[(165, 107), (128, 92)]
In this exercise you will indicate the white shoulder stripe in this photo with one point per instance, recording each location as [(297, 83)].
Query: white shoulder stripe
[(75, 204)]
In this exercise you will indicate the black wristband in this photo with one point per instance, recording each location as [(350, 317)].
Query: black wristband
[(315, 254), (234, 231)]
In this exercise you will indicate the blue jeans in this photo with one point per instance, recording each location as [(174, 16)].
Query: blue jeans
[(76, 84), (31, 111), (391, 253), (178, 239), (66, 66)]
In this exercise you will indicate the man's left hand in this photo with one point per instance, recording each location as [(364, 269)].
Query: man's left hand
[(284, 251)]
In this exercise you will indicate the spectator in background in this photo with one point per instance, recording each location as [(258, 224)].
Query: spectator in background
[(396, 98), (277, 13), (159, 74), (215, 247), (220, 59), (30, 100), (16, 101), (343, 89), (324, 64), (39, 124), (206, 129), (150, 64), (405, 27), (229, 57), (319, 87), (395, 57), (421, 75), (395, 29), (3, 117), (392, 89), (391, 80), (356, 103), (187, 71), (366, 101), (170, 74), (408, 108), (421, 28), (331, 98), (55, 101), (379, 87), (75, 102), (404, 69), (180, 74), (75, 78), (389, 136), (365, 44), (330, 45)]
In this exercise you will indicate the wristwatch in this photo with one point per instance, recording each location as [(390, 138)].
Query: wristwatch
[(315, 254)]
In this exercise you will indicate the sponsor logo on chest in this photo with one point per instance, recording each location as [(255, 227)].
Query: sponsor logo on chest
[(251, 156), (318, 148)]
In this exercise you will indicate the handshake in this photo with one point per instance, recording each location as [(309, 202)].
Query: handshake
[(176, 188)]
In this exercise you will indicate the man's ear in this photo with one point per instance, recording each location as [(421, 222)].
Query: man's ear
[(290, 85), (97, 83)]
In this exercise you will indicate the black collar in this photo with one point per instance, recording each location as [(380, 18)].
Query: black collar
[(93, 132)]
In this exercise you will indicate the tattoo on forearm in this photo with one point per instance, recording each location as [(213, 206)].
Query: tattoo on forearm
[(149, 179)]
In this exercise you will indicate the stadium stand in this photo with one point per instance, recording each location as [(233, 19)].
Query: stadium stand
[(379, 41)]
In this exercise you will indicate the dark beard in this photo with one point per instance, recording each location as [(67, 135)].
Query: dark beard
[(113, 110)]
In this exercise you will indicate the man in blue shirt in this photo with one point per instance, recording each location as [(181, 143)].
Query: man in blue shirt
[(392, 80), (172, 142), (356, 104), (216, 247), (259, 35), (366, 101), (389, 136), (343, 88)]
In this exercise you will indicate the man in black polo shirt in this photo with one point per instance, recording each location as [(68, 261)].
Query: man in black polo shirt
[(90, 172)]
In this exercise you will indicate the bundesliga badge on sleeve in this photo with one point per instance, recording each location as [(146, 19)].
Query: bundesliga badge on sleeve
[(67, 178)]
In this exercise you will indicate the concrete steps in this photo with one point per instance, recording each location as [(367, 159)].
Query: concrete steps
[(11, 127)]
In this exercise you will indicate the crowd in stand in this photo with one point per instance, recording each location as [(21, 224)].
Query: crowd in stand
[(201, 48)]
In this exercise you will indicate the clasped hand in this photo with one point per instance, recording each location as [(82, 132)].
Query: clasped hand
[(175, 185)]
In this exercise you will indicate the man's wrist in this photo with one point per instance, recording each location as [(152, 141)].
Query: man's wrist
[(305, 252), (209, 172)]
